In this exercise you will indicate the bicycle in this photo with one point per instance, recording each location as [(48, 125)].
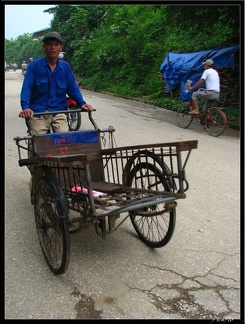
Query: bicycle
[(213, 118), (74, 119)]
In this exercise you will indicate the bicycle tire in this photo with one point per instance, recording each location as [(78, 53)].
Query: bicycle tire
[(74, 119), (215, 122), (154, 230), (52, 230), (183, 118)]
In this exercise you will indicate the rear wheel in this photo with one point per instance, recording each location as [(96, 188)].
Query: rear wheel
[(183, 118), (154, 225), (215, 122), (74, 119), (52, 230)]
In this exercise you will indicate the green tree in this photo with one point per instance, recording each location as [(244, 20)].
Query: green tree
[(119, 47)]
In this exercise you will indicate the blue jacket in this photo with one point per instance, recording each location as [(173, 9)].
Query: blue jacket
[(45, 90)]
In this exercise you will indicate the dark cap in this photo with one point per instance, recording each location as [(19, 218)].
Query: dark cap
[(52, 34)]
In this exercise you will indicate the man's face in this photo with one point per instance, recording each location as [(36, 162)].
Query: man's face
[(52, 47)]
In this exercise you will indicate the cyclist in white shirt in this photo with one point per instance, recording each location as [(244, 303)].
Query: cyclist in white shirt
[(212, 90)]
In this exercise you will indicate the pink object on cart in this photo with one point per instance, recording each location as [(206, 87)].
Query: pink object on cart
[(96, 194)]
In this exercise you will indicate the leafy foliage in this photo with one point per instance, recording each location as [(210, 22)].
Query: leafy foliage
[(119, 47)]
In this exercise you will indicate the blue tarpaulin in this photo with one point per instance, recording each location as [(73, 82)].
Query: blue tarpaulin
[(178, 68)]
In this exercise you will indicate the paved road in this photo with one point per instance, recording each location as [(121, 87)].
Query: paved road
[(196, 276)]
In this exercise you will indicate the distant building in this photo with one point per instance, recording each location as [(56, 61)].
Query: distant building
[(40, 33)]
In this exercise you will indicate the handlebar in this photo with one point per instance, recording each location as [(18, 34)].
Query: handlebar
[(60, 112), (67, 111)]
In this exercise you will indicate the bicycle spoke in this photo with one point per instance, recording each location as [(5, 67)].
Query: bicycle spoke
[(183, 118), (215, 122)]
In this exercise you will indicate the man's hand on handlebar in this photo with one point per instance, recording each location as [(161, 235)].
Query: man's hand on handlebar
[(27, 113), (87, 107)]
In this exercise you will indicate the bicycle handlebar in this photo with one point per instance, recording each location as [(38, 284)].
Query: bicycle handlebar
[(67, 111)]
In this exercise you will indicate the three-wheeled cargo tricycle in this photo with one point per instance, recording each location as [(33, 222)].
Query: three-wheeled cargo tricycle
[(83, 171)]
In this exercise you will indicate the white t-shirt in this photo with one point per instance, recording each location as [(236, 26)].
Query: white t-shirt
[(212, 80)]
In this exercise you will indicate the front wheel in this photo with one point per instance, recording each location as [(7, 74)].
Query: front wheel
[(215, 121), (154, 225), (183, 118), (74, 119), (52, 230)]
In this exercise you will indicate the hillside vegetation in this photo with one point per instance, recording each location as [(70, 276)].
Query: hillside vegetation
[(119, 48)]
